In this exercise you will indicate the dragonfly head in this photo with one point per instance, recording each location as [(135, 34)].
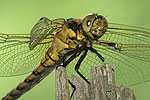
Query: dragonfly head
[(94, 25)]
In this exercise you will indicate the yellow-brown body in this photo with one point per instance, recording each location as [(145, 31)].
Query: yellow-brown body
[(61, 44), (72, 37)]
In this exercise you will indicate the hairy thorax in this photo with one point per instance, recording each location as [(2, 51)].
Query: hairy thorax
[(69, 37)]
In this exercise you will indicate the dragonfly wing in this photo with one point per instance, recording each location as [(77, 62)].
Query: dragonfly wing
[(44, 28), (15, 55), (132, 58), (21, 53), (132, 41)]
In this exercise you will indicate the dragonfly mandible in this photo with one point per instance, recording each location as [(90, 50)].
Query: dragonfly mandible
[(78, 43)]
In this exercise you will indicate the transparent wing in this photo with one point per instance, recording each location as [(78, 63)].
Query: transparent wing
[(44, 28), (131, 61), (21, 53)]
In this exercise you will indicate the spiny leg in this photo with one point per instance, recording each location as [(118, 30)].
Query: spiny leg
[(93, 50), (70, 59), (78, 65), (65, 63), (75, 53), (115, 45), (74, 88)]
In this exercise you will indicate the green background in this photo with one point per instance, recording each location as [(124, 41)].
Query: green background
[(19, 16)]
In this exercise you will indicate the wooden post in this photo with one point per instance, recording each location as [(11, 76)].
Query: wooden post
[(62, 85), (102, 86)]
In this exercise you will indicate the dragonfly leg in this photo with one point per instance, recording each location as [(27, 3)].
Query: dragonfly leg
[(74, 88), (111, 44), (93, 50), (65, 63), (78, 65), (69, 60), (74, 53)]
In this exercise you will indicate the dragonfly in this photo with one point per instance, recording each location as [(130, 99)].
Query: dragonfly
[(76, 44)]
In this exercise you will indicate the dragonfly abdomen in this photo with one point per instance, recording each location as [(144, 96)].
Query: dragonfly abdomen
[(47, 65)]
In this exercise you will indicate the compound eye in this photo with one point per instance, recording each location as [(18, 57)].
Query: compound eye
[(87, 22)]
